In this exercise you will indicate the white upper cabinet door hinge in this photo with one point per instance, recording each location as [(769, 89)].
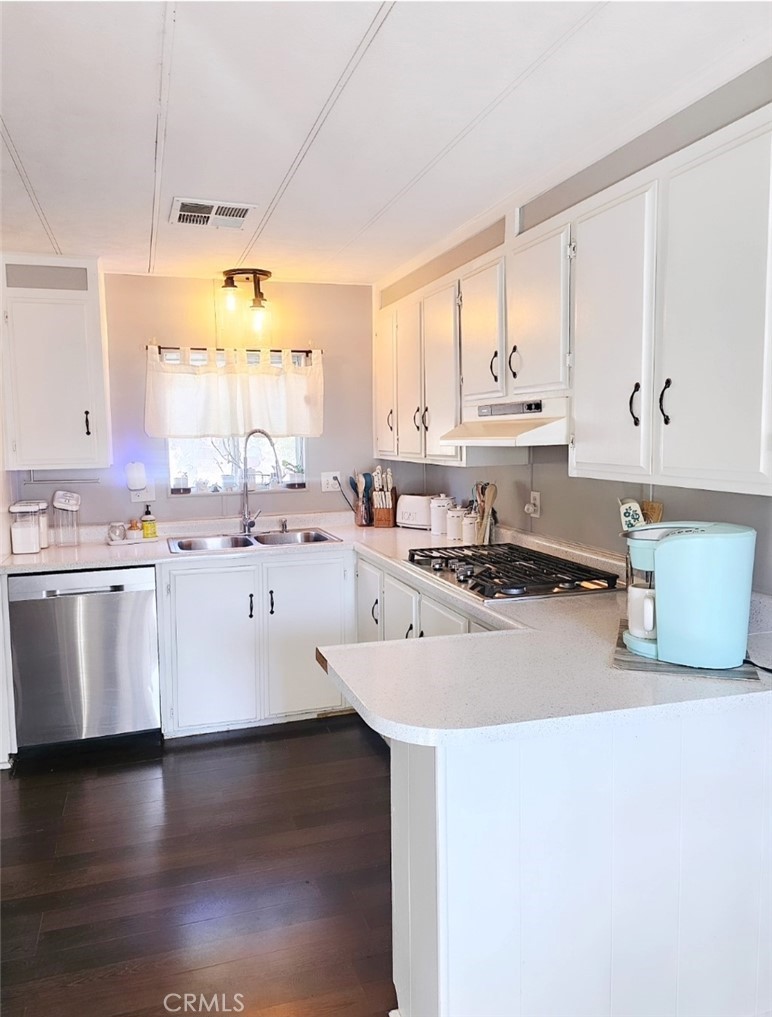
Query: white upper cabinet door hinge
[(569, 360), (571, 249), (5, 317), (168, 589), (459, 299)]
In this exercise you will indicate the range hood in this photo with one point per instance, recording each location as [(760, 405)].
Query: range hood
[(523, 424)]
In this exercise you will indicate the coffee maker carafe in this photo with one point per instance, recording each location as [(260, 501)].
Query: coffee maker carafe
[(689, 592)]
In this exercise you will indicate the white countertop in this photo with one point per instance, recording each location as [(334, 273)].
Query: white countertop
[(550, 663)]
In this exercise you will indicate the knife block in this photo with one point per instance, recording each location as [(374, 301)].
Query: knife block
[(386, 516)]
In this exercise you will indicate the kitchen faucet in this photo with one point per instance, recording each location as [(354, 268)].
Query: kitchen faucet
[(247, 520)]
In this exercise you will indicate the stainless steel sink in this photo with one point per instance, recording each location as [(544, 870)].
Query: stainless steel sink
[(293, 536), (224, 543)]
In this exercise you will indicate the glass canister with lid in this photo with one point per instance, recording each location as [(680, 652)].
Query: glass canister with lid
[(25, 527), (66, 513), (43, 524)]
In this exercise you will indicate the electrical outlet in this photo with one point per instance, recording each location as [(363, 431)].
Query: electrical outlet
[(145, 495), (533, 508), (329, 482)]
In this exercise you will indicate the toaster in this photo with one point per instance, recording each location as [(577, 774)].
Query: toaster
[(413, 511)]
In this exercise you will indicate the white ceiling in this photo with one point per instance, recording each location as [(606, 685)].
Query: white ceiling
[(365, 133)]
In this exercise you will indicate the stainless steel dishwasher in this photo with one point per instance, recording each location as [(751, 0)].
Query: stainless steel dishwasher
[(84, 647)]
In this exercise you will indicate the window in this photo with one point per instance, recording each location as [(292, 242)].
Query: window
[(213, 465)]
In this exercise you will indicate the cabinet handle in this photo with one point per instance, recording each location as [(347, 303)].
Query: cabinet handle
[(372, 611), (665, 387), (636, 388), (409, 630), (390, 419), (423, 419), (88, 429), (417, 411), (509, 361), (490, 367), (421, 634), (270, 594), (251, 605)]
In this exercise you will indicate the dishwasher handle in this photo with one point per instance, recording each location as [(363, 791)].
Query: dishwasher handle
[(84, 591)]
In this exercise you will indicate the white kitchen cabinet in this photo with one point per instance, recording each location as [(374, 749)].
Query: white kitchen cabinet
[(613, 337), (482, 327), (56, 395), (368, 602), (538, 315), (304, 606), (713, 356), (214, 680), (384, 387), (410, 389), (227, 661), (438, 620), (440, 370), (400, 610)]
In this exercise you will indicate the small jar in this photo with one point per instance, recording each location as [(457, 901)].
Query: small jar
[(134, 531), (455, 523), (66, 516), (25, 527), (469, 528)]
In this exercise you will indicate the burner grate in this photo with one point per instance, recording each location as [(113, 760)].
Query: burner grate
[(508, 570)]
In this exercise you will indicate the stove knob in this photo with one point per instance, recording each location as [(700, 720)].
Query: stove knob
[(453, 564), (438, 565), (464, 573)]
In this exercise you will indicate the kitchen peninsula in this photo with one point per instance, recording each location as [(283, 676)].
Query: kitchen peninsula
[(568, 838)]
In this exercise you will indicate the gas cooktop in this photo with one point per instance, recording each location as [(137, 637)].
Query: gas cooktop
[(504, 571)]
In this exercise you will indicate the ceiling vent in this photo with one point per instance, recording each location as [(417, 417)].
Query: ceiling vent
[(217, 214)]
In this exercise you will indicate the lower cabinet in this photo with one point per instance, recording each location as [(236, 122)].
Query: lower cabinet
[(306, 609), (238, 642), (390, 609)]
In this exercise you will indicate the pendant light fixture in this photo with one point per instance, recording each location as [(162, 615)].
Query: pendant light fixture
[(257, 305)]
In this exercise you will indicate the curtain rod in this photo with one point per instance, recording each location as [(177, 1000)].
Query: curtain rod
[(219, 349)]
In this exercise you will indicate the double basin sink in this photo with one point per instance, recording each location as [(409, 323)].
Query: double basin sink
[(244, 541)]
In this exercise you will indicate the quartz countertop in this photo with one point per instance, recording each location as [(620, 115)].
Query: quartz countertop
[(548, 662)]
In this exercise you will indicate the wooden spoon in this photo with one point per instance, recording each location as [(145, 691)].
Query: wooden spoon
[(490, 497)]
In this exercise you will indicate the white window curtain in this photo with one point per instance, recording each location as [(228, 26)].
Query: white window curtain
[(228, 392)]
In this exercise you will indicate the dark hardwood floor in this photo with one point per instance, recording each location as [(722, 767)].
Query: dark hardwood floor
[(253, 865)]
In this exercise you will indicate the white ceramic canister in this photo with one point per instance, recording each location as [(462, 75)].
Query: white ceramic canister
[(455, 523), (469, 528), (438, 508)]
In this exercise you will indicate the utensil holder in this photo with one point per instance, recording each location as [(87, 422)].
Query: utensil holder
[(386, 516), (360, 513)]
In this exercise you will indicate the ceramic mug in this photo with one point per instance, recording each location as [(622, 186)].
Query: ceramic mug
[(116, 531), (641, 621)]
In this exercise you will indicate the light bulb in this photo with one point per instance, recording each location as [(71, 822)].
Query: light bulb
[(258, 319), (230, 300)]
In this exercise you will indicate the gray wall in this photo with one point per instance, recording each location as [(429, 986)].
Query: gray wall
[(587, 511), (183, 312)]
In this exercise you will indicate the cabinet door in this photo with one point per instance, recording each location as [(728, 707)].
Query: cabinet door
[(400, 610), (384, 387), (214, 652), (441, 378), (304, 603), (55, 377), (538, 313), (438, 620), (410, 431), (713, 376), (482, 333), (613, 310), (369, 594)]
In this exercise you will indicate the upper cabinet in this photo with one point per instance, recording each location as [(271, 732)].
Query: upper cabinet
[(483, 324), (385, 390), (55, 395), (713, 359), (671, 345), (538, 270)]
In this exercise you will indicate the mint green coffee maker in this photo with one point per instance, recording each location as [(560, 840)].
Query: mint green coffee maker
[(689, 592)]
